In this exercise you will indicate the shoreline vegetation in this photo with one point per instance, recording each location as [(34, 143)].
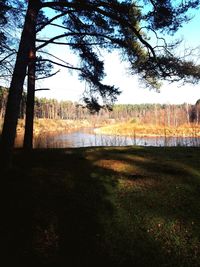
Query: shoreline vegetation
[(148, 130), (52, 125), (108, 133), (140, 120), (111, 127)]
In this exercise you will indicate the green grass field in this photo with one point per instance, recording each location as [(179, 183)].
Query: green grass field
[(133, 206)]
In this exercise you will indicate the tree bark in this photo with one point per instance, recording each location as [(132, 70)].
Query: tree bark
[(28, 135), (16, 87)]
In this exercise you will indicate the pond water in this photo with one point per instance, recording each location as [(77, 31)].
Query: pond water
[(87, 138)]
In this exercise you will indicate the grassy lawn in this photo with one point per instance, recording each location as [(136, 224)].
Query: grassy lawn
[(130, 206)]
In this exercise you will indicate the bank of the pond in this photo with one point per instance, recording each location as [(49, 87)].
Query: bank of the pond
[(148, 130), (133, 206), (81, 133), (110, 127), (86, 137), (49, 125)]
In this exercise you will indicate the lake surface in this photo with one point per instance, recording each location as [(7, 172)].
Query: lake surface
[(87, 138)]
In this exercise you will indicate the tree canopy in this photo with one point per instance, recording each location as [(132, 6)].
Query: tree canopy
[(89, 26), (124, 25)]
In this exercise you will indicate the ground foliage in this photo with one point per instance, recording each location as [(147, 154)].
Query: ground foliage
[(122, 206)]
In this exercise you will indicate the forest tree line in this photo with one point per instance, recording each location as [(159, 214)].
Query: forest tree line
[(156, 114)]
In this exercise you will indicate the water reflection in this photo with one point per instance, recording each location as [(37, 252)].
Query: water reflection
[(87, 138)]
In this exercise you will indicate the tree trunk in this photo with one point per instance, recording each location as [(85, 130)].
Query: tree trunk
[(28, 136), (16, 87)]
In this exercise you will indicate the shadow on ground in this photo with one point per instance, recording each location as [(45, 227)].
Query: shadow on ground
[(54, 207), (62, 208)]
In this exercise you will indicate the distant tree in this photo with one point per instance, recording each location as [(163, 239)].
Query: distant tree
[(197, 107), (195, 112), (3, 100)]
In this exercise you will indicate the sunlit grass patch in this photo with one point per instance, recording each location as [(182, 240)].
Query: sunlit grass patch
[(136, 184), (167, 212), (115, 165)]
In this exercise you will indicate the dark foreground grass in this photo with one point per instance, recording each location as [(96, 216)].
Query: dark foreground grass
[(96, 206)]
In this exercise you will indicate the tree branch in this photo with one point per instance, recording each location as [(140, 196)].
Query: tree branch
[(52, 19), (61, 65), (47, 53), (41, 89), (51, 41), (11, 54), (46, 42), (92, 8), (48, 76), (59, 26)]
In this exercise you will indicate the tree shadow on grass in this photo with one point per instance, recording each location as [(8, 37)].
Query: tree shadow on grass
[(16, 212), (60, 209), (160, 199), (54, 211)]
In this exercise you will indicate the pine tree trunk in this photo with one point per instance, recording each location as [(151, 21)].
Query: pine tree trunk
[(28, 136), (16, 87)]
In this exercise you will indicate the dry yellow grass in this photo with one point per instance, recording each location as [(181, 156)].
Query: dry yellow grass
[(124, 128), (134, 129), (49, 125)]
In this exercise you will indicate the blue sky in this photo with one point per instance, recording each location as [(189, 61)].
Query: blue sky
[(66, 86)]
